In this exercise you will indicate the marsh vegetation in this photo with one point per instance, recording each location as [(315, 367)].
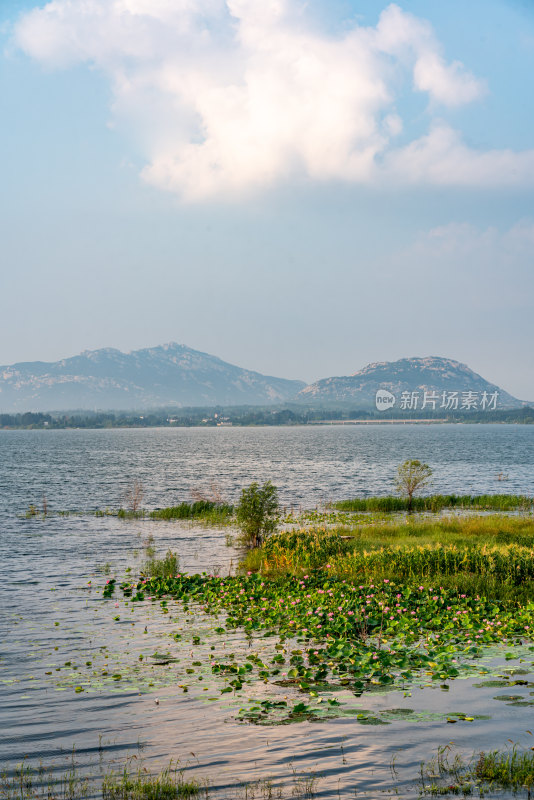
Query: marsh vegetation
[(489, 555), (346, 601), (135, 781), (379, 603), (201, 510), (438, 502), (448, 773)]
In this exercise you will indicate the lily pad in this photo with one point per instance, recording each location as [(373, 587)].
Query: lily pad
[(398, 712), (507, 698), (490, 684)]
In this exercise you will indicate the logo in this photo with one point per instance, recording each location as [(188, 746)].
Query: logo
[(384, 400), (430, 400)]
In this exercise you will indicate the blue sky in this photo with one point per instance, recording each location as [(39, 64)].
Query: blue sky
[(299, 190)]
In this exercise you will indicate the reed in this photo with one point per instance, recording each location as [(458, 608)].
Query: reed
[(438, 502), (448, 774), (162, 567), (170, 784), (493, 556), (206, 510)]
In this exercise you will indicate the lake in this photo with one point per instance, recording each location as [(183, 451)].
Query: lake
[(57, 632)]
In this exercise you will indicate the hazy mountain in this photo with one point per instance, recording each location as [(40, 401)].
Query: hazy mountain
[(175, 375), (171, 374), (417, 375)]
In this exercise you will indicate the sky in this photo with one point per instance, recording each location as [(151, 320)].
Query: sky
[(299, 188)]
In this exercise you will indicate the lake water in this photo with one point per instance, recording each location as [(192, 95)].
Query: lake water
[(56, 631)]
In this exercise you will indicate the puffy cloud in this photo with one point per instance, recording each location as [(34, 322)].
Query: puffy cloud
[(412, 40), (448, 84), (441, 158), (226, 96)]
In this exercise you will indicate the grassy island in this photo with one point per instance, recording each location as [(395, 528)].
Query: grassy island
[(383, 602)]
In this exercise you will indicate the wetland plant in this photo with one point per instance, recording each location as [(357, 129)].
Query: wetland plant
[(170, 784), (33, 511), (490, 556), (204, 510), (411, 476), (357, 636), (448, 774), (133, 496), (166, 567), (42, 783), (437, 502), (257, 514)]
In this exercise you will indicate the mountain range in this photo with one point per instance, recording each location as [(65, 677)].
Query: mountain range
[(170, 374), (176, 375), (417, 376)]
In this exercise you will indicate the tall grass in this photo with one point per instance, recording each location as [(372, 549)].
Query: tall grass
[(513, 770), (170, 784), (492, 556), (438, 502), (166, 567), (42, 783), (510, 564), (448, 774), (201, 509)]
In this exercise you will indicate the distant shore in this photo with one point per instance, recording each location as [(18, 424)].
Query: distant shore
[(249, 416)]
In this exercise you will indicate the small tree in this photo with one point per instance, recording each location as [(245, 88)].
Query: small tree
[(257, 513), (134, 496), (411, 476)]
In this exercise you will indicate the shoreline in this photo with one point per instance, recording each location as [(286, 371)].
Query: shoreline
[(314, 423)]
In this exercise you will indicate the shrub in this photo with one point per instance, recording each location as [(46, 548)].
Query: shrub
[(257, 514), (134, 495)]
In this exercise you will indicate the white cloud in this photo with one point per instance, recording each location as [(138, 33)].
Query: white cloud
[(412, 40), (441, 158), (225, 96)]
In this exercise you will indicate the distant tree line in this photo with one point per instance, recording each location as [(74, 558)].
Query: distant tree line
[(243, 416)]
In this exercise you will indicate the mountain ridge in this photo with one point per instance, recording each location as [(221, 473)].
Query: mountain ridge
[(170, 374), (179, 376), (430, 374)]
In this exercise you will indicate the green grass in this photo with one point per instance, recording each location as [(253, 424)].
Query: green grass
[(170, 784), (448, 774), (45, 783), (125, 513), (204, 510), (491, 556), (41, 783), (376, 604), (513, 770), (161, 567), (438, 502)]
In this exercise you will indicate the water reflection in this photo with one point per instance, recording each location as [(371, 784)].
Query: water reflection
[(51, 613)]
